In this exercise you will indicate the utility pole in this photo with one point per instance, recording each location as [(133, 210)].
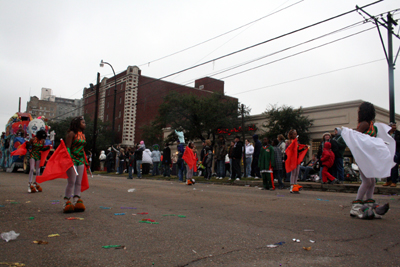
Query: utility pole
[(389, 54), (19, 106), (94, 154), (244, 142)]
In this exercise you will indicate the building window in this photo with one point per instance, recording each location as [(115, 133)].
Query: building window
[(120, 100), (119, 114)]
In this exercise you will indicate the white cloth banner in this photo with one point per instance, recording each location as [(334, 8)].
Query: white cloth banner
[(373, 155)]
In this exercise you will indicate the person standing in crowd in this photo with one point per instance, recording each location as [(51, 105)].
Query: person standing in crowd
[(116, 157), (236, 157), (305, 170), (202, 154), (267, 163), (121, 160), (374, 150), (255, 170), (109, 160), (394, 173), (146, 161), (138, 159), (340, 145), (166, 160), (131, 163), (208, 159), (220, 152), (190, 158), (156, 158), (327, 161), (102, 159), (278, 164), (295, 153), (230, 155), (248, 158), (180, 163), (282, 148)]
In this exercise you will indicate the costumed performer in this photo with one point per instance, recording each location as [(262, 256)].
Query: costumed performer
[(35, 147), (295, 153), (373, 150), (75, 143)]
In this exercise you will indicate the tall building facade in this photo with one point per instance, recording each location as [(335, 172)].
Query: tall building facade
[(53, 107), (137, 100)]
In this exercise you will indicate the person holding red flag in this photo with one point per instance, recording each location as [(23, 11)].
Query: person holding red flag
[(69, 161), (191, 160), (37, 156), (295, 153)]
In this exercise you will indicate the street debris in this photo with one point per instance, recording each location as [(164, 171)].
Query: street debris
[(194, 251), (7, 236), (280, 243), (40, 242), (28, 202), (131, 190), (31, 218), (143, 213), (322, 199), (114, 246), (119, 213), (105, 208), (12, 264), (74, 218), (149, 221), (312, 241), (53, 235), (272, 246), (296, 240), (307, 248)]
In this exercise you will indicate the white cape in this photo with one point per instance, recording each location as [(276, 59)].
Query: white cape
[(374, 155)]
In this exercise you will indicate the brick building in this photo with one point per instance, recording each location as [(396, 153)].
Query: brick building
[(138, 99)]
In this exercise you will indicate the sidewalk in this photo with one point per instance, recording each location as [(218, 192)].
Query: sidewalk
[(310, 186)]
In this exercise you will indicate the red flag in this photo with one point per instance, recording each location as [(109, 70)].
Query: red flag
[(58, 165), (43, 156), (21, 150), (190, 159), (294, 157)]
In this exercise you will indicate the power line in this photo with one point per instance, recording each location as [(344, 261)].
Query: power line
[(206, 41), (240, 50)]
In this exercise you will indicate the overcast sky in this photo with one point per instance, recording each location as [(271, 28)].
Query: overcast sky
[(59, 45)]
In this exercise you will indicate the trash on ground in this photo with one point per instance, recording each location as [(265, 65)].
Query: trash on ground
[(7, 236), (119, 213), (296, 240), (53, 235), (28, 202), (272, 246), (149, 220), (105, 208), (121, 247), (143, 213), (280, 243), (307, 248), (31, 218), (74, 218), (40, 242), (131, 190), (194, 251), (322, 199), (181, 216), (113, 246), (312, 241), (12, 264), (129, 208)]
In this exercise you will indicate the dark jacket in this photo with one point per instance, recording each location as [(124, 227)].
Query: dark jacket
[(220, 150), (208, 157), (139, 153), (238, 150), (257, 147), (166, 155)]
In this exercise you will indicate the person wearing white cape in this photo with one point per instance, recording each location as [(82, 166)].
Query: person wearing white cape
[(373, 150)]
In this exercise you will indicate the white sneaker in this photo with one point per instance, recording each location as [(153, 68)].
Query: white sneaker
[(256, 178), (291, 189), (237, 179), (229, 179)]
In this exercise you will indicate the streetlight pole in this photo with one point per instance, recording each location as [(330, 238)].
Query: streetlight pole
[(115, 98)]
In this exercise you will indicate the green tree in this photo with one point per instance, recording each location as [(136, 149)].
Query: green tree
[(198, 117), (281, 119), (153, 134)]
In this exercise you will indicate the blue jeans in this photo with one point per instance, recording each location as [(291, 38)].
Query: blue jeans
[(155, 168), (339, 169), (167, 170), (248, 167), (306, 170), (121, 166), (138, 163), (180, 174), (220, 168), (130, 172)]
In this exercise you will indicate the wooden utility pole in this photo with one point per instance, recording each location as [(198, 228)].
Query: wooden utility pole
[(244, 143), (94, 154)]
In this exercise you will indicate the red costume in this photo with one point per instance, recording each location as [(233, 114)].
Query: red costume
[(327, 160)]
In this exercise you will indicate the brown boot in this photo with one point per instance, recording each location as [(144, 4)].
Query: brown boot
[(78, 204), (68, 207), (388, 183), (393, 185)]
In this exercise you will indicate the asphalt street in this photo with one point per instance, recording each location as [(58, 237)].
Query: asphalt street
[(219, 225)]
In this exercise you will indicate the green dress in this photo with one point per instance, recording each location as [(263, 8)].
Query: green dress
[(77, 150)]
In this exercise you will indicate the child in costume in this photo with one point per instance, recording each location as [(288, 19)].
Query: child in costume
[(266, 162), (191, 163), (295, 153), (75, 143), (373, 149), (327, 160), (35, 147)]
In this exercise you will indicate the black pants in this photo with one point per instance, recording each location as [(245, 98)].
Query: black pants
[(255, 171), (236, 172)]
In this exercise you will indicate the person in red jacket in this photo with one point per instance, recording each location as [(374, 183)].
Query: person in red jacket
[(327, 160)]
